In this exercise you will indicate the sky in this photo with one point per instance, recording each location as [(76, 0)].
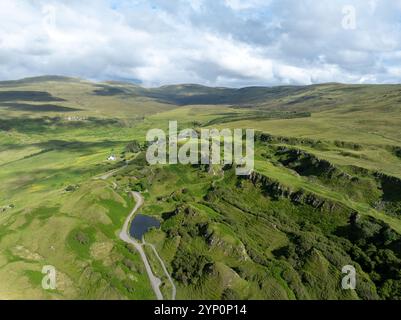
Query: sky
[(232, 43)]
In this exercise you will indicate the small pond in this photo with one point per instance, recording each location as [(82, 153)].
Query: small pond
[(142, 224)]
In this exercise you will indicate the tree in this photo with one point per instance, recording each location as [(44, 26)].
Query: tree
[(353, 219), (133, 147)]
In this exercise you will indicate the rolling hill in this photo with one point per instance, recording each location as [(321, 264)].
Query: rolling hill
[(325, 192)]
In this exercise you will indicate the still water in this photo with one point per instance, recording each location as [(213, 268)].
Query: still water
[(141, 224)]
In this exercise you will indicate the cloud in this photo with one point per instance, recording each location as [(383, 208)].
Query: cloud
[(213, 42), (250, 4)]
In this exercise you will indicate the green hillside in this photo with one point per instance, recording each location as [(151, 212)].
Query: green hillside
[(325, 192)]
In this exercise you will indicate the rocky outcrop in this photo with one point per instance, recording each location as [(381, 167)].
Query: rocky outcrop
[(307, 164), (318, 144), (265, 137), (228, 249), (276, 190)]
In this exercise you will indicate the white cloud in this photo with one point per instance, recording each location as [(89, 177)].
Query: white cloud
[(246, 4), (225, 42)]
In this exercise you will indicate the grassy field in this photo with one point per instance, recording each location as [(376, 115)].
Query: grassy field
[(326, 192)]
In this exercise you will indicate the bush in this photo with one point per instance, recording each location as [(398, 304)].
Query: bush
[(133, 147), (129, 264), (82, 238), (190, 268), (71, 188), (230, 294)]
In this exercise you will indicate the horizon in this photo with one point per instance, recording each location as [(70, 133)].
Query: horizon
[(209, 153), (110, 81)]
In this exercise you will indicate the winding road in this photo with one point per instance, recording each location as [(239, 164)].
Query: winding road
[(126, 237)]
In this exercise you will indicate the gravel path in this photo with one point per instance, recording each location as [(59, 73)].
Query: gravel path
[(125, 236), (174, 289)]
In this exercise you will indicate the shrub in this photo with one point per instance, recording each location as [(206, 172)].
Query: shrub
[(190, 268), (82, 238)]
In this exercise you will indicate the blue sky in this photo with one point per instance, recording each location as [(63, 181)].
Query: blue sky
[(212, 42)]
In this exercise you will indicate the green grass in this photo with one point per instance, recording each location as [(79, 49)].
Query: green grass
[(258, 243)]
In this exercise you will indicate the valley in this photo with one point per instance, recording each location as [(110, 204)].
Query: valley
[(325, 192)]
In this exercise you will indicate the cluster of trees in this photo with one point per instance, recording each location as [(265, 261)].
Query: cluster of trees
[(377, 248), (134, 147), (189, 268)]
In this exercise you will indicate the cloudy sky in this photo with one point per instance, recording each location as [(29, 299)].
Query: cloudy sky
[(212, 42)]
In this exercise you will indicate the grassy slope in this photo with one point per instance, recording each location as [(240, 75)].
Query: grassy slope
[(39, 159)]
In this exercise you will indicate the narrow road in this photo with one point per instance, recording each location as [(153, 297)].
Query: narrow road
[(174, 289), (125, 236), (107, 175)]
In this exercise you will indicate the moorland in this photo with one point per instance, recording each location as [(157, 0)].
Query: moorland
[(325, 192)]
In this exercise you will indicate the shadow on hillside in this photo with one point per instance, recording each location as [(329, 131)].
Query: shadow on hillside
[(43, 124), (36, 108), (200, 95), (105, 90), (62, 145), (37, 96)]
